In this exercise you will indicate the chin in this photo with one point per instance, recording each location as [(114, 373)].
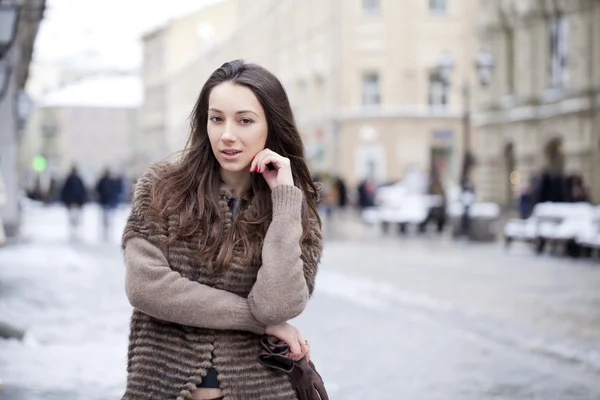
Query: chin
[(237, 167)]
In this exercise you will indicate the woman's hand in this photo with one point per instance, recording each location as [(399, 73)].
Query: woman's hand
[(281, 175), (292, 336)]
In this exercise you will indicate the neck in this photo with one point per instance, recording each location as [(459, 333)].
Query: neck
[(240, 182)]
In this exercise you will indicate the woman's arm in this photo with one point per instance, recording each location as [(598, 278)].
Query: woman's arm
[(286, 278), (155, 289)]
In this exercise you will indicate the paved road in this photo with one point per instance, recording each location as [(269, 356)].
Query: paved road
[(392, 318)]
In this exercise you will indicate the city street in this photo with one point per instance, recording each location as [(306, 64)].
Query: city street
[(392, 317)]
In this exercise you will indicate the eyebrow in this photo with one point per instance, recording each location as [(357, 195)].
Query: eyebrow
[(237, 112)]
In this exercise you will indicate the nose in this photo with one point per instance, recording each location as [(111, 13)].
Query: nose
[(228, 134)]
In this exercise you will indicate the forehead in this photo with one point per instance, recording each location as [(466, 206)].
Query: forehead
[(230, 97)]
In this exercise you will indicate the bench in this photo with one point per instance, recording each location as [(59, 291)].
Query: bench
[(554, 225)]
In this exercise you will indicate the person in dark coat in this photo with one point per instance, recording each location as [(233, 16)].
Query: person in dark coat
[(525, 202), (74, 195), (108, 190), (366, 194), (342, 193)]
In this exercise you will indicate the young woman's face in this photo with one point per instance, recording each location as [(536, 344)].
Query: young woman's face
[(237, 127)]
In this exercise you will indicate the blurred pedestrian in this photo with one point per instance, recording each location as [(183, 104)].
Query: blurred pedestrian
[(437, 209), (342, 193), (222, 247), (3, 197), (329, 196), (108, 190), (526, 200), (74, 195), (366, 193)]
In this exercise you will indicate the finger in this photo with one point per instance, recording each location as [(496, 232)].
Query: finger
[(296, 356), (303, 346), (295, 348), (302, 341), (255, 160), (266, 159), (307, 355), (260, 163), (275, 159)]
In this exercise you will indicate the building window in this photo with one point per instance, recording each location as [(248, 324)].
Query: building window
[(438, 6), (370, 89), (559, 49), (370, 6), (438, 90)]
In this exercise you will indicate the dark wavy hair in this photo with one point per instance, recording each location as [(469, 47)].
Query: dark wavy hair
[(191, 187)]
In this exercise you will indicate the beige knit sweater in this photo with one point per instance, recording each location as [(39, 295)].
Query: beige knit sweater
[(187, 319)]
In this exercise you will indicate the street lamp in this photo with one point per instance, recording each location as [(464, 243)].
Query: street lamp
[(9, 16), (484, 63)]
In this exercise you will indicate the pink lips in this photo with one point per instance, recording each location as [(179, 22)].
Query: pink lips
[(230, 154)]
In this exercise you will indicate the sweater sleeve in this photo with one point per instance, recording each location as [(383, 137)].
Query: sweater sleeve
[(155, 289), (286, 278)]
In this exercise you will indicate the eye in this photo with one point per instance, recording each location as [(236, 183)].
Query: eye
[(214, 118), (246, 121)]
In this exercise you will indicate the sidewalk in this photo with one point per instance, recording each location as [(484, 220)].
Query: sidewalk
[(69, 298)]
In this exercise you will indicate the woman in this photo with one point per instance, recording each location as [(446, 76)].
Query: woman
[(222, 247)]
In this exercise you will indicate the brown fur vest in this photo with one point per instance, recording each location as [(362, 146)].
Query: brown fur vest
[(166, 361)]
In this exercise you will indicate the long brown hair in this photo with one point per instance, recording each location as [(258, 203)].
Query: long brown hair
[(191, 188)]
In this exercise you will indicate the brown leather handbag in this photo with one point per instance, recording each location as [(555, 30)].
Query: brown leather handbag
[(303, 375)]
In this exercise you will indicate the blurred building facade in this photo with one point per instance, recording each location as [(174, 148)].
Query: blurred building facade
[(20, 23), (362, 76), (91, 123), (167, 53), (540, 111), (48, 77)]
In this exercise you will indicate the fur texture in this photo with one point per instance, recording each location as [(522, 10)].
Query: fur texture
[(167, 360)]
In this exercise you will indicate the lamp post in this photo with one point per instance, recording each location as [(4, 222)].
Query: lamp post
[(484, 63)]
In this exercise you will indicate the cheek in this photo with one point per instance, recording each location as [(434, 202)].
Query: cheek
[(260, 137), (213, 138)]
